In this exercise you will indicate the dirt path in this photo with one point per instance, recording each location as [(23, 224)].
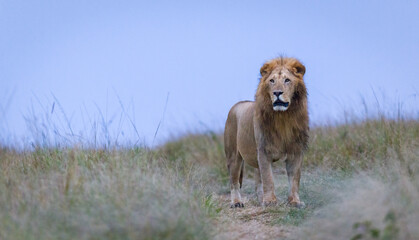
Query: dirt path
[(251, 222)]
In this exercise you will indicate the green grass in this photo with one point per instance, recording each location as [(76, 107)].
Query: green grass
[(315, 191), (354, 175)]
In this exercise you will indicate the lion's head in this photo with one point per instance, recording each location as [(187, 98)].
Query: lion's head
[(281, 83)]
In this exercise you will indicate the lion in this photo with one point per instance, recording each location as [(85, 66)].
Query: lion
[(273, 127)]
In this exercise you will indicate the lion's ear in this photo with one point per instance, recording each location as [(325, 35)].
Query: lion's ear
[(265, 69), (299, 68)]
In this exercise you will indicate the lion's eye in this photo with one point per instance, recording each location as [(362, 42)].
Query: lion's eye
[(287, 80), (272, 81)]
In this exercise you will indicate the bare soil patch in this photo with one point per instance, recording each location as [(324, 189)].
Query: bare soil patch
[(250, 222)]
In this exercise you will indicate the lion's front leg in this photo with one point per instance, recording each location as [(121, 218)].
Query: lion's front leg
[(293, 165), (258, 186), (265, 168)]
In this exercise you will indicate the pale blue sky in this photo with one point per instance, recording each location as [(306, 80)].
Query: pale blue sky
[(206, 54)]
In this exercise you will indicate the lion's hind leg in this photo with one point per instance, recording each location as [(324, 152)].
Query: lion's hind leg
[(235, 166)]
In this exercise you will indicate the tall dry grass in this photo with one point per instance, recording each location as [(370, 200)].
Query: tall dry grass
[(368, 207), (379, 199), (97, 194), (361, 145)]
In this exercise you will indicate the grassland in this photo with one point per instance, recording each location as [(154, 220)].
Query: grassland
[(360, 181)]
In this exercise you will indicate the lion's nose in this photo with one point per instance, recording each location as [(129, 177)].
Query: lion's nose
[(278, 93)]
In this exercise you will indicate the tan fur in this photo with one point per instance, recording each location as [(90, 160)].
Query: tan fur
[(260, 132)]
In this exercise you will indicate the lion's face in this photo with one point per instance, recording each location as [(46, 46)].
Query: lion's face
[(281, 88), (280, 80)]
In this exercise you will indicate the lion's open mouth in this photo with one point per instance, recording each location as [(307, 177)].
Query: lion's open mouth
[(279, 103)]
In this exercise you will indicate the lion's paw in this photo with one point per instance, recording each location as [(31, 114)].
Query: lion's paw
[(269, 200), (237, 205)]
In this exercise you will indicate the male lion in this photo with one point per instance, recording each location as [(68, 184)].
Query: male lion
[(273, 127)]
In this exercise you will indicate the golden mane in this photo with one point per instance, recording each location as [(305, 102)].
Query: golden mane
[(292, 125)]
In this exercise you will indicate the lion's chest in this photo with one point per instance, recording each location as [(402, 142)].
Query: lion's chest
[(275, 151), (278, 143)]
